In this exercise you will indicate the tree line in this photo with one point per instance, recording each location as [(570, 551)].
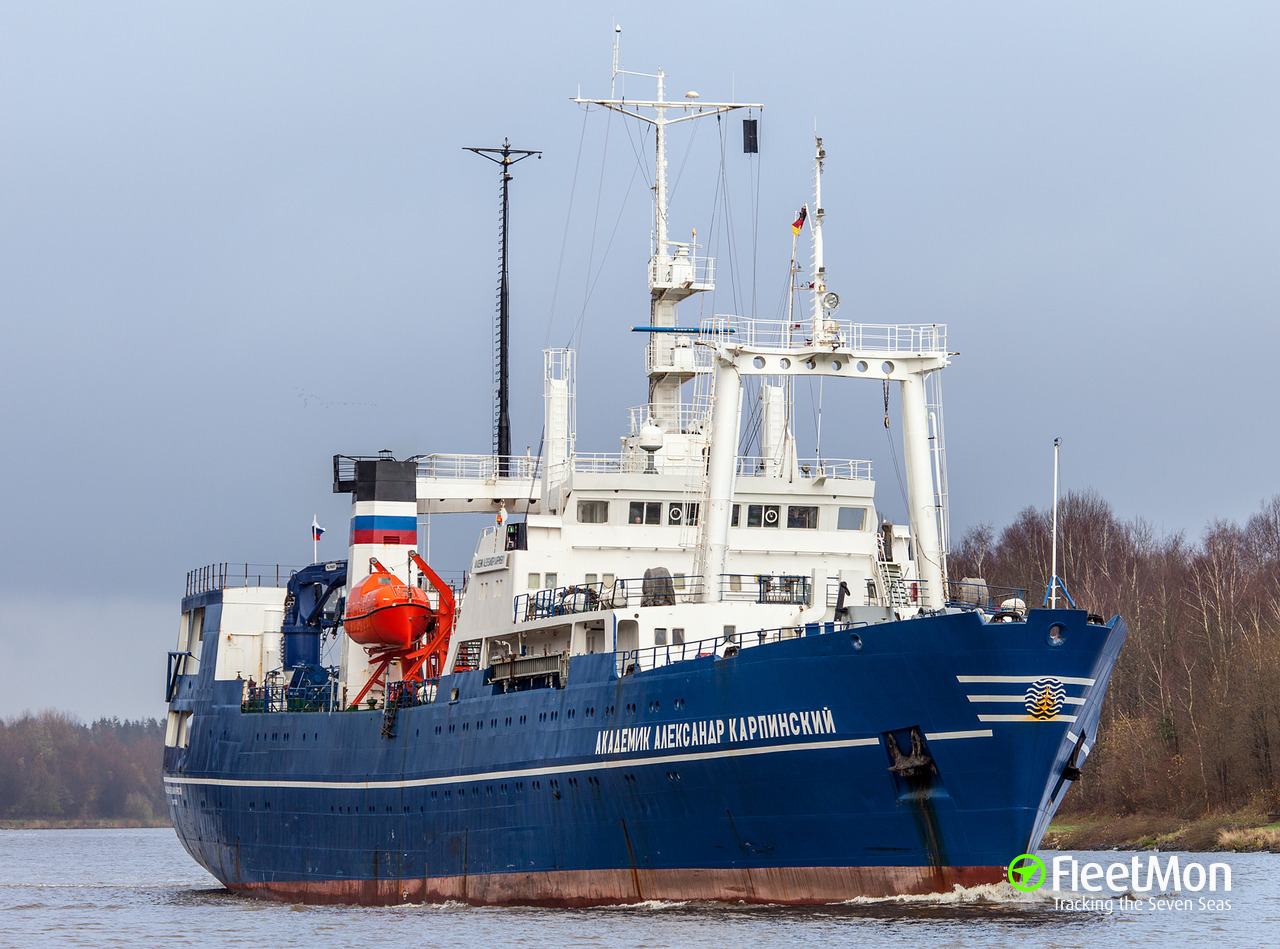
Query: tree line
[(1193, 711), (53, 767)]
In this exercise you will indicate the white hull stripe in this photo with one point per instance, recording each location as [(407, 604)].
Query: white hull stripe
[(943, 736), (1068, 700), (528, 772), (1073, 738), (1065, 680), (1025, 718)]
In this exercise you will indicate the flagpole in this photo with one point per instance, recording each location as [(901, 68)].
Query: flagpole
[(315, 541)]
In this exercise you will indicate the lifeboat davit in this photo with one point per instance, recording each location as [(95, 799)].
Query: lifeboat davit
[(384, 612)]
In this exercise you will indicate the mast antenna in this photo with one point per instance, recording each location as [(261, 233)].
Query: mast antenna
[(504, 157), (1055, 583)]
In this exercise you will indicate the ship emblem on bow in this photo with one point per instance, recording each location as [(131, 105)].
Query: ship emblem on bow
[(1044, 698)]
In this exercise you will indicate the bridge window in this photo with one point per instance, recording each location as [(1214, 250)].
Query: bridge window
[(645, 512), (805, 518), (593, 512), (851, 518), (682, 514)]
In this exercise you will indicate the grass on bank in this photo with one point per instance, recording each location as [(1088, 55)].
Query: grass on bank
[(1247, 830)]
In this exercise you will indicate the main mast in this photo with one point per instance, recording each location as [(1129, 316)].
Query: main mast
[(675, 270)]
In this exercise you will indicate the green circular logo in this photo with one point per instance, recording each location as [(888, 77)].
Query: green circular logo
[(1026, 872)]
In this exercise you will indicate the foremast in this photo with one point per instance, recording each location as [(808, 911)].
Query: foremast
[(906, 354)]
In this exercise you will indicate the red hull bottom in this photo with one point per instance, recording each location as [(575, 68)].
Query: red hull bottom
[(575, 888)]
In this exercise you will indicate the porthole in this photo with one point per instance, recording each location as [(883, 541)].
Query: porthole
[(1054, 637)]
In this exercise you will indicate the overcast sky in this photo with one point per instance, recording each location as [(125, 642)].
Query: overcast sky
[(238, 238)]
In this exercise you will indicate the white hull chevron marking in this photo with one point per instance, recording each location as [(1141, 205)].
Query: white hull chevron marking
[(1044, 698), (1065, 680), (1025, 718)]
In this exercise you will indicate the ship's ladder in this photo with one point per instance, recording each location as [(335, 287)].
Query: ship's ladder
[(892, 588), (389, 709), (938, 455), (697, 487)]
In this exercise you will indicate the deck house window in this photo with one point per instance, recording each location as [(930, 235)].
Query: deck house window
[(593, 512), (659, 635), (762, 515), (645, 512), (682, 514), (733, 522), (850, 518), (804, 518), (533, 581)]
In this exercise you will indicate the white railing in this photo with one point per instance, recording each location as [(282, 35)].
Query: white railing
[(478, 467), (846, 469), (607, 463), (628, 463), (694, 416), (876, 338), (677, 352), (682, 270)]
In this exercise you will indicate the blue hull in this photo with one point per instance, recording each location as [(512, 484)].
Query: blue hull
[(785, 773)]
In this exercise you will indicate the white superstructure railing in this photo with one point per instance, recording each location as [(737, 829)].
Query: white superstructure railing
[(900, 338)]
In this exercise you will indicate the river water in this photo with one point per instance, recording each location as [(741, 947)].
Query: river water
[(125, 888)]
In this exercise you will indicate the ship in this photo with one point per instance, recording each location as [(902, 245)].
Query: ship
[(679, 671)]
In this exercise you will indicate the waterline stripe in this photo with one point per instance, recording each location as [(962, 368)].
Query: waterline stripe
[(975, 733), (527, 772), (1069, 699), (1025, 718), (1065, 680)]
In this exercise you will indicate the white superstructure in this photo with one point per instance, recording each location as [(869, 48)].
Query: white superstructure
[(677, 541)]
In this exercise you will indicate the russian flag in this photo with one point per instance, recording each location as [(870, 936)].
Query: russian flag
[(316, 529)]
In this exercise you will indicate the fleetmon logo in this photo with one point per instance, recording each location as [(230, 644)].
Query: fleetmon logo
[(1026, 872)]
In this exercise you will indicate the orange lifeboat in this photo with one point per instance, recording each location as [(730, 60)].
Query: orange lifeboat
[(384, 612), (395, 622)]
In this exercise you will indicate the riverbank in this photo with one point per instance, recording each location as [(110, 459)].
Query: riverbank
[(1246, 831), (102, 824)]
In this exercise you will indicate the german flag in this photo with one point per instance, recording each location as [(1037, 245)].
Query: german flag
[(798, 225)]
